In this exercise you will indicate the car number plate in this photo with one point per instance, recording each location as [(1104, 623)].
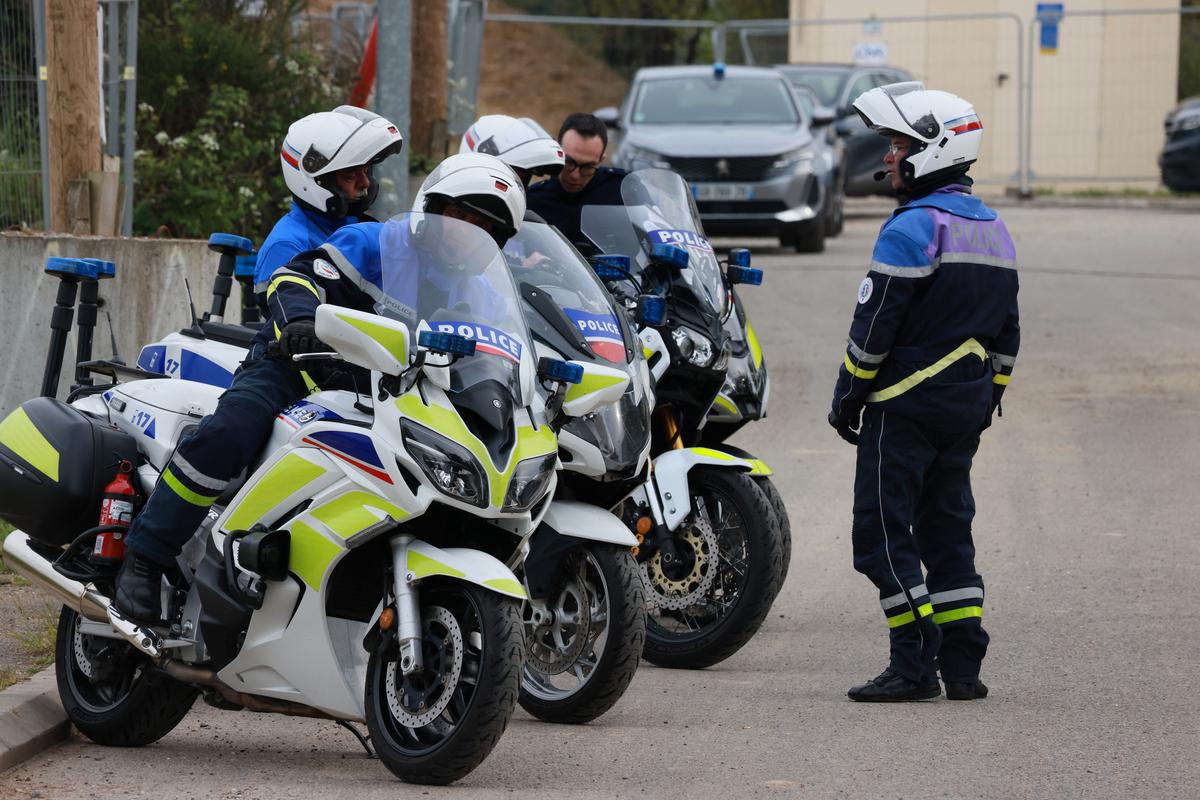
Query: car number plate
[(722, 191)]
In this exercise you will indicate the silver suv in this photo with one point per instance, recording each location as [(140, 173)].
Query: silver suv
[(739, 137)]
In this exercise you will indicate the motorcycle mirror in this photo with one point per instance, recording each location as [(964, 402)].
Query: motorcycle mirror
[(669, 255), (739, 257), (651, 310), (747, 275), (448, 343)]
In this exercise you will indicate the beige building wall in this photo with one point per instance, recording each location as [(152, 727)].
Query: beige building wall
[(1098, 103)]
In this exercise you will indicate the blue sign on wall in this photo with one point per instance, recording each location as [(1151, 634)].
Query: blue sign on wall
[(1049, 15)]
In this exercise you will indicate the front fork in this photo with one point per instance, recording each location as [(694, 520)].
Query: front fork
[(408, 607)]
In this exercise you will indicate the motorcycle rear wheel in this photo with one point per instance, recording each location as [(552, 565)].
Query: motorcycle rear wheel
[(436, 726), (111, 692), (613, 625), (748, 564)]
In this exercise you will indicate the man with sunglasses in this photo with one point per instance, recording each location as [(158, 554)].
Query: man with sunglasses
[(582, 181)]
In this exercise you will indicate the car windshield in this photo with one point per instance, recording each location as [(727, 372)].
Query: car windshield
[(539, 256), (826, 83), (697, 100), (659, 209), (450, 276)]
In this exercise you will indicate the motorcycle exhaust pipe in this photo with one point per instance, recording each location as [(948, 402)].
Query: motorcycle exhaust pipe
[(26, 562), (200, 676)]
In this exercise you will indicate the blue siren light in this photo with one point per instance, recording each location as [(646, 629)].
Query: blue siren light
[(747, 275), (739, 257), (104, 269), (450, 343), (611, 268), (652, 310), (670, 254), (230, 241), (555, 370), (243, 266), (77, 268), (719, 70)]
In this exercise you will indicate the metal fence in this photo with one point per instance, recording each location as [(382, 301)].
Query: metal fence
[(21, 126), (118, 30)]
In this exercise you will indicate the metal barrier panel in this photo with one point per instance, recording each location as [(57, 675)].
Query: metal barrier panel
[(1099, 95), (21, 202), (976, 56), (117, 30)]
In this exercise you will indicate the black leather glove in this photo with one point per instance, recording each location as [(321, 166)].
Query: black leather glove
[(997, 393), (848, 422), (300, 337)]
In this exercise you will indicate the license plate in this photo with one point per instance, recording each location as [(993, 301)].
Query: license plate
[(722, 191)]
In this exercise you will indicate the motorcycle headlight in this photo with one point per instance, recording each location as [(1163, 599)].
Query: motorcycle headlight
[(695, 347), (723, 357), (529, 482), (447, 464), (792, 158)]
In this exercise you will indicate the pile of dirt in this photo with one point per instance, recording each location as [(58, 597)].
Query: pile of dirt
[(535, 70)]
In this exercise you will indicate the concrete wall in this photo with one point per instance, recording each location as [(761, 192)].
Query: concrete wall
[(1098, 102), (147, 300)]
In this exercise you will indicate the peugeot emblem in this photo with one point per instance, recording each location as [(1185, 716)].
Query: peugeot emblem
[(722, 168)]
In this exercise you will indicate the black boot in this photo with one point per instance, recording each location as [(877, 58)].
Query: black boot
[(889, 687), (966, 690), (139, 590)]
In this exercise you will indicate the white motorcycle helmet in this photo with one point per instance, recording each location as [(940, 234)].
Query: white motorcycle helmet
[(944, 127), (521, 143), (481, 183), (320, 144)]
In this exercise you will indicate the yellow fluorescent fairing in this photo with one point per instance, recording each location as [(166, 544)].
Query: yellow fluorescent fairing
[(445, 420)]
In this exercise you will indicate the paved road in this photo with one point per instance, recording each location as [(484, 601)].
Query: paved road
[(1086, 535)]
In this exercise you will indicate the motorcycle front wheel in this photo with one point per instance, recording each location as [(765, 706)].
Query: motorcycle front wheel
[(582, 654), (711, 588), (436, 725), (785, 524), (111, 692)]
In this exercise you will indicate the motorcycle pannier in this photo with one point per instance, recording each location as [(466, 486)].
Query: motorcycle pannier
[(54, 465)]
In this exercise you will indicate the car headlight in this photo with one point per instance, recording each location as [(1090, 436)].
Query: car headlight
[(447, 464), (695, 347), (529, 482), (792, 158), (640, 157), (1187, 121)]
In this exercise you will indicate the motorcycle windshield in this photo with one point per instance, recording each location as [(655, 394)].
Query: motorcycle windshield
[(450, 275), (659, 209), (540, 257)]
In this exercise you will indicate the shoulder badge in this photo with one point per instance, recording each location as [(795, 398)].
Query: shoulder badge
[(326, 270)]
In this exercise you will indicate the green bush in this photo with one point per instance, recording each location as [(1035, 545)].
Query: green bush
[(220, 82)]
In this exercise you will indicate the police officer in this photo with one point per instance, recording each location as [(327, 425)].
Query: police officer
[(521, 143), (931, 348), (582, 181), (346, 270), (328, 162)]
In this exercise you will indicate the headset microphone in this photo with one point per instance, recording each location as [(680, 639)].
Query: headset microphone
[(881, 174)]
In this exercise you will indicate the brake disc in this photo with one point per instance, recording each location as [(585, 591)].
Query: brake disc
[(663, 591), (416, 700), (554, 647), (82, 659)]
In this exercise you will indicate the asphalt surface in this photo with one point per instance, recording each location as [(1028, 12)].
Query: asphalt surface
[(1086, 536)]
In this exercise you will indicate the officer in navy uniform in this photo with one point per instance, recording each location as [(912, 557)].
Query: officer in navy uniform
[(478, 189), (581, 182), (931, 349)]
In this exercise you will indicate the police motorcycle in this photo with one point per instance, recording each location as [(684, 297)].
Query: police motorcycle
[(363, 571), (711, 551)]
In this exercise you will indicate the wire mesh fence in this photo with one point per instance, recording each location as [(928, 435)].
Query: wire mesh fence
[(20, 139)]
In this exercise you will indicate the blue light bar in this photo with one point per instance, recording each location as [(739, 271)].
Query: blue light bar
[(739, 257), (611, 267), (652, 310), (672, 255), (229, 242), (747, 275), (719, 70), (243, 267), (76, 268), (555, 370), (450, 343), (104, 269)]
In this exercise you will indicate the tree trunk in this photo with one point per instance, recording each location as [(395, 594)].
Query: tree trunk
[(429, 76), (73, 100)]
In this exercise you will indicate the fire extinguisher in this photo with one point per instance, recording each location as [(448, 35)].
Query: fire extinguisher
[(116, 509)]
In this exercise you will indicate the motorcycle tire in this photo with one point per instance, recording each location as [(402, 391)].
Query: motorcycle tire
[(111, 692), (608, 577), (785, 524), (423, 744), (756, 587)]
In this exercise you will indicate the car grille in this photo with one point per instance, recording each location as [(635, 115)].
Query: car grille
[(748, 169)]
